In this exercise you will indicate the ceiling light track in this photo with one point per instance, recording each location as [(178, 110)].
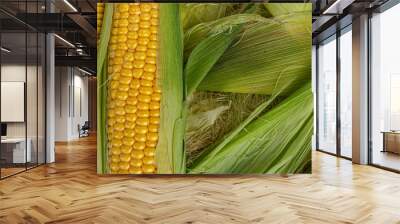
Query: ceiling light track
[(65, 41), (70, 6), (5, 49)]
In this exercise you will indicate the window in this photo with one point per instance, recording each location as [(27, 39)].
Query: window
[(346, 92), (327, 95), (385, 89)]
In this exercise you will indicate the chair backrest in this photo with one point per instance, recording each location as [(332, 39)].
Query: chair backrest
[(86, 124)]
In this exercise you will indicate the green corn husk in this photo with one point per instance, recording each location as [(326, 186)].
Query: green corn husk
[(195, 13), (201, 31), (268, 57), (278, 9), (212, 115), (170, 154), (265, 141), (204, 56), (102, 90)]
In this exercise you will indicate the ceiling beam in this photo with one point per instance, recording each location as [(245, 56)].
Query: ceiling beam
[(86, 26), (79, 61)]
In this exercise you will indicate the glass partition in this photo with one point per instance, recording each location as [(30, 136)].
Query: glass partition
[(327, 95), (22, 89), (13, 94)]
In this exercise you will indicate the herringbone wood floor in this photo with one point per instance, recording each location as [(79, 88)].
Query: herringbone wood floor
[(69, 191)]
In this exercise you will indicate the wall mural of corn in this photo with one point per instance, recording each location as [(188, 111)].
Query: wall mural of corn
[(100, 12), (195, 88)]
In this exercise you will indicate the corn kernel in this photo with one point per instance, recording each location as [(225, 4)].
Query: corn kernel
[(153, 128), (140, 130), (135, 170), (152, 136), (123, 165), (148, 168), (139, 145), (136, 162), (143, 121), (140, 138), (149, 151), (125, 157), (137, 154)]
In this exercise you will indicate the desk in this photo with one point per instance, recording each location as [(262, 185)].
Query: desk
[(16, 147), (391, 141)]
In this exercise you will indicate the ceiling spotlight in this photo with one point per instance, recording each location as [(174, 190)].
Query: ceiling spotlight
[(70, 5), (64, 40), (5, 50)]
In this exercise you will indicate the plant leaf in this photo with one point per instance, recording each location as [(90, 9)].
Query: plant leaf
[(278, 9), (272, 52), (102, 89), (204, 56), (263, 142), (169, 152), (195, 13), (201, 31)]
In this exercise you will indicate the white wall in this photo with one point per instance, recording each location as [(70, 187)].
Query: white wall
[(62, 81), (16, 73), (79, 117), (33, 127), (70, 83)]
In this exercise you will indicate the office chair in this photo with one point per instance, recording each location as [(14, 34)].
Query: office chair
[(84, 130)]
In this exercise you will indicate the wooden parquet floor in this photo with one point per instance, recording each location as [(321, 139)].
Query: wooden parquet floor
[(69, 191)]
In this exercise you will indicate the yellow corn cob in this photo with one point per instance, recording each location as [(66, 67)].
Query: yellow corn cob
[(133, 95), (100, 12)]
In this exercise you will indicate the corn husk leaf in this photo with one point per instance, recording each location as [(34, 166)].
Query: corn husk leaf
[(212, 115), (266, 141), (170, 155), (204, 57), (201, 31), (102, 89), (195, 13), (273, 51), (278, 9)]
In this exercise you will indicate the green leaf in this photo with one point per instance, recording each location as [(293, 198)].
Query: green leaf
[(169, 152), (195, 13), (204, 57), (102, 90), (201, 31), (278, 9), (265, 141), (297, 155), (265, 53)]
